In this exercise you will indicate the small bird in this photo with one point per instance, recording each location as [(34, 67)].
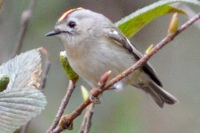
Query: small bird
[(94, 45)]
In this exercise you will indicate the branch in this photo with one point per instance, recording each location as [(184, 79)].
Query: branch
[(63, 105), (68, 120), (26, 15)]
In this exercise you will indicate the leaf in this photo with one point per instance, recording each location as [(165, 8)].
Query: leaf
[(21, 101), (132, 23), (23, 70), (18, 106)]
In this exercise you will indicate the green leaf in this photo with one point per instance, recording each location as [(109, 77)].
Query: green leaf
[(132, 23), (4, 80), (18, 106), (69, 71), (21, 101)]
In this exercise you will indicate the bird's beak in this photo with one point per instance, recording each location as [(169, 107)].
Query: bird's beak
[(53, 33)]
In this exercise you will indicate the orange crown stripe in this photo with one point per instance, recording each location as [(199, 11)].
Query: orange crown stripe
[(64, 15)]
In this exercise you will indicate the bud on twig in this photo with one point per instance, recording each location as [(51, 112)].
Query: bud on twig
[(69, 71), (173, 26), (65, 124), (104, 79), (85, 93), (4, 80), (149, 49)]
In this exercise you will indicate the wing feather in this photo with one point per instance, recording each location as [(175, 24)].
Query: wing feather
[(120, 39)]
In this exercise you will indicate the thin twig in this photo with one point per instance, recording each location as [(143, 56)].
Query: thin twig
[(82, 128), (87, 120), (88, 123), (26, 15), (45, 70), (63, 105), (25, 127), (189, 11), (137, 65)]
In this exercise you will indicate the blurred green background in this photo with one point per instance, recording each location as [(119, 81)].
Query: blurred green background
[(127, 111)]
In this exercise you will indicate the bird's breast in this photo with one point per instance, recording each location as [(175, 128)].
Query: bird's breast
[(90, 65)]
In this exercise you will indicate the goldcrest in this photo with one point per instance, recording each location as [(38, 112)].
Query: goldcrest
[(94, 45)]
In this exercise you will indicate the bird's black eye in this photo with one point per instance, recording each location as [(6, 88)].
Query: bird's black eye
[(72, 24)]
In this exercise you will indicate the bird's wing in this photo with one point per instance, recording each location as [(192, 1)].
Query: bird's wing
[(120, 39)]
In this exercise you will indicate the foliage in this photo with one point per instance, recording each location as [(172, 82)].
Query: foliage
[(132, 23), (21, 100)]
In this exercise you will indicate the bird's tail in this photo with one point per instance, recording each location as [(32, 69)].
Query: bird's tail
[(159, 95)]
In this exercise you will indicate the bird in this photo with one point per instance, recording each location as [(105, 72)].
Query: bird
[(94, 46)]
